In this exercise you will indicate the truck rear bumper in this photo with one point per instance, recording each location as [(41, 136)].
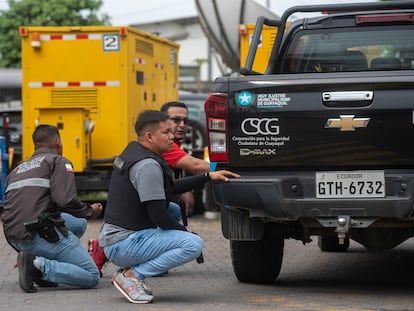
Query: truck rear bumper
[(290, 196)]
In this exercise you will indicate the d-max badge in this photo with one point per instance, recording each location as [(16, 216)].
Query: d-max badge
[(347, 122)]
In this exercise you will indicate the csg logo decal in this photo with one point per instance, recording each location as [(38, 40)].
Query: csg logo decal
[(265, 126), (245, 99)]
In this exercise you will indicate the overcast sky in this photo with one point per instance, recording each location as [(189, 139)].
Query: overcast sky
[(124, 12)]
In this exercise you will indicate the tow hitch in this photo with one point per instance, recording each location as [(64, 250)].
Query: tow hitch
[(342, 228)]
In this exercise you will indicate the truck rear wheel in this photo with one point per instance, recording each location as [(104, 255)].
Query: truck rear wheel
[(257, 261), (331, 244)]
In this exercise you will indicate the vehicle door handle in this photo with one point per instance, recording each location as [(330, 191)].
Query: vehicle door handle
[(347, 98)]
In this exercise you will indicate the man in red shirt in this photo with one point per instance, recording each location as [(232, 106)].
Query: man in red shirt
[(177, 158)]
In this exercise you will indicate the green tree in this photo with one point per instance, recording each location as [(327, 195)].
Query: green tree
[(43, 13)]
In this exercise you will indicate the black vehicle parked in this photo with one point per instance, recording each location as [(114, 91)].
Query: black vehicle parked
[(322, 138)]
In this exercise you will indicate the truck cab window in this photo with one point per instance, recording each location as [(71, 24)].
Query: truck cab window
[(364, 49)]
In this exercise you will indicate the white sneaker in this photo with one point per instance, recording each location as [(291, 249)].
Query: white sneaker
[(146, 287), (132, 289)]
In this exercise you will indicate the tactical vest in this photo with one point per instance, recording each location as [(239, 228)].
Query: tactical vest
[(124, 207)]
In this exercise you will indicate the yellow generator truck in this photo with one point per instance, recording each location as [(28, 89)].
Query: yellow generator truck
[(264, 48), (92, 82)]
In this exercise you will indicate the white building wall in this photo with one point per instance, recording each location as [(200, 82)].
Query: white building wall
[(196, 46)]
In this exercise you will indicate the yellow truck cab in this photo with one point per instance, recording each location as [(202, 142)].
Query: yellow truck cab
[(92, 82)]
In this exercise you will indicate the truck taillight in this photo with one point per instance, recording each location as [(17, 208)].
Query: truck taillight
[(384, 18), (217, 143), (216, 124), (216, 118)]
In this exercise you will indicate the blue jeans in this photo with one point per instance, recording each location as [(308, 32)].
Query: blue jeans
[(66, 261), (74, 224), (175, 210), (152, 252)]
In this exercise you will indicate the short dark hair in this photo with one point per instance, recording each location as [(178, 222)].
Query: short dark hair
[(43, 133), (149, 118), (168, 105)]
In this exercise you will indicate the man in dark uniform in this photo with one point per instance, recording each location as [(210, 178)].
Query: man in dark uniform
[(40, 210), (139, 233)]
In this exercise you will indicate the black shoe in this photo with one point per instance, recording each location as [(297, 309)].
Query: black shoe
[(27, 271), (43, 283), (38, 279)]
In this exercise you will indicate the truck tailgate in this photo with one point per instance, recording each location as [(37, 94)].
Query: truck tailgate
[(336, 120)]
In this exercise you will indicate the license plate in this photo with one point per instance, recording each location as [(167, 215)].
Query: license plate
[(351, 184)]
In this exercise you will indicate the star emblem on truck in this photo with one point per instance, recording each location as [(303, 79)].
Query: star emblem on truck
[(347, 122), (244, 99)]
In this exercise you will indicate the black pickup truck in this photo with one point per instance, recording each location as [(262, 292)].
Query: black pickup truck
[(323, 139)]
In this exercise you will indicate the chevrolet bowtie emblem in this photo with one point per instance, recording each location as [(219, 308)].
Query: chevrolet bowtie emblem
[(347, 123)]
